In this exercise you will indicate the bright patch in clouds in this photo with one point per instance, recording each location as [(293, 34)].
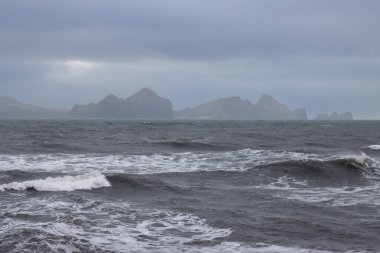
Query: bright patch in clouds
[(78, 65), (66, 71)]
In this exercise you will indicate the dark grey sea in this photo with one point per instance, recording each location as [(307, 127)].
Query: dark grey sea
[(189, 186)]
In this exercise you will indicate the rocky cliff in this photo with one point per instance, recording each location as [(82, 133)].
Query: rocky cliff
[(236, 108), (11, 108), (144, 104)]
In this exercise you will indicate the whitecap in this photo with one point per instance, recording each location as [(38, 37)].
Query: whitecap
[(239, 160), (64, 183), (293, 189), (374, 147)]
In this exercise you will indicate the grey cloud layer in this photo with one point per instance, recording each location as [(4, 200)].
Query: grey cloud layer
[(304, 52), (121, 30)]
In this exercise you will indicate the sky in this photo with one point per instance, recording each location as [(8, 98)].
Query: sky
[(323, 55)]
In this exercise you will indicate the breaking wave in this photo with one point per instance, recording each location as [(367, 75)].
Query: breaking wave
[(240, 160), (133, 183), (347, 180), (64, 183), (373, 147)]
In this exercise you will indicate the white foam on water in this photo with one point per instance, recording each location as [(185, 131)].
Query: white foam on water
[(345, 196), (360, 159), (65, 183), (265, 248), (282, 183), (4, 176), (104, 226), (240, 160), (373, 147), (257, 248), (299, 190), (293, 189)]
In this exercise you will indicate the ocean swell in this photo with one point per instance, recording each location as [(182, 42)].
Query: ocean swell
[(239, 160)]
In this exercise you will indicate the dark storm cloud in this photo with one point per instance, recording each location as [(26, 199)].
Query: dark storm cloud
[(303, 52)]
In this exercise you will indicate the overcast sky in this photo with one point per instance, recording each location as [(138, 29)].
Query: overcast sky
[(323, 55)]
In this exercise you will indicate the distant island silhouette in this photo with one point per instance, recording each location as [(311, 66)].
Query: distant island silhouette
[(335, 116), (148, 104)]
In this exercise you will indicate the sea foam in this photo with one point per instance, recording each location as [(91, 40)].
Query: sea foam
[(103, 226), (118, 227), (239, 160), (64, 183), (374, 147)]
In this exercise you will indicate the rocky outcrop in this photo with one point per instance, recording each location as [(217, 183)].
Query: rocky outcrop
[(238, 109), (271, 109), (335, 116), (224, 108), (144, 104), (147, 104), (11, 108)]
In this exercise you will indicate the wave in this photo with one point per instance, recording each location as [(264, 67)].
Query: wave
[(64, 183), (239, 160), (367, 165), (53, 146), (115, 226), (337, 170), (137, 183), (346, 180), (102, 226), (373, 147), (260, 248), (189, 144), (292, 188)]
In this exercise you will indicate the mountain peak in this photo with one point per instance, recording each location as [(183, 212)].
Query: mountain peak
[(229, 99), (12, 108), (267, 100), (110, 99), (145, 92), (143, 104), (8, 100), (110, 96)]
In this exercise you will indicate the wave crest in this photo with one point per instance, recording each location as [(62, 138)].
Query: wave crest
[(64, 183), (373, 147)]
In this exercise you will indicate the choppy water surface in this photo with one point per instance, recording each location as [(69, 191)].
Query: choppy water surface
[(189, 186)]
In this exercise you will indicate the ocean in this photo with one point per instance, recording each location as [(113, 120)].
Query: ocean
[(189, 186)]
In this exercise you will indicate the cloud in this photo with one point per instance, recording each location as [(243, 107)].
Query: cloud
[(196, 30), (303, 52)]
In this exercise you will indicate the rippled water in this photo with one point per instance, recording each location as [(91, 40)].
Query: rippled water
[(189, 186)]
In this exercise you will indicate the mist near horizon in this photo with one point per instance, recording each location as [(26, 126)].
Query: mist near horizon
[(202, 126), (319, 55)]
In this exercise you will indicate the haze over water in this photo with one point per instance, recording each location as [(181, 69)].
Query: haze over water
[(189, 126)]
